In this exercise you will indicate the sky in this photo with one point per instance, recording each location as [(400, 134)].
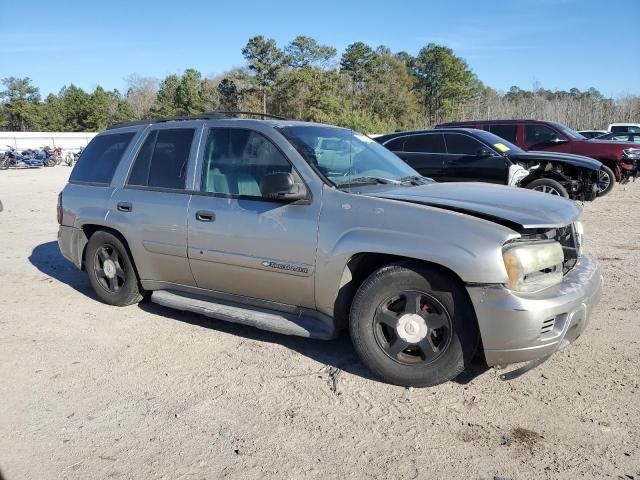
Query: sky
[(556, 44)]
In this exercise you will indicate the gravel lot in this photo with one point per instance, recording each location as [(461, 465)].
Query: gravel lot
[(93, 391)]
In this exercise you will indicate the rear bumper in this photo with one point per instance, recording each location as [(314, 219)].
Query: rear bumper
[(518, 327), (71, 242)]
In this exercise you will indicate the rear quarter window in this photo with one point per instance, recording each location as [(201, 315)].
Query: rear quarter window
[(100, 159)]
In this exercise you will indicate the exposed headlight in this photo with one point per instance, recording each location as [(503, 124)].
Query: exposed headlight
[(533, 266), (632, 153)]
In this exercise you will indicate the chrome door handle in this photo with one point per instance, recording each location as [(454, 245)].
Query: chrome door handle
[(125, 206), (205, 216)]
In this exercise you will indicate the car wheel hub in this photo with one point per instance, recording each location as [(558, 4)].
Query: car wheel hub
[(412, 328), (109, 268)]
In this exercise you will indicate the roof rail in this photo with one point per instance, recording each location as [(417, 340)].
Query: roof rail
[(215, 115)]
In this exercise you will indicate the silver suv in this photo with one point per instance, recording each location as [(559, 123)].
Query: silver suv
[(304, 229)]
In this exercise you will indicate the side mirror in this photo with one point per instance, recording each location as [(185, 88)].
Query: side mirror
[(484, 153), (557, 140), (282, 186)]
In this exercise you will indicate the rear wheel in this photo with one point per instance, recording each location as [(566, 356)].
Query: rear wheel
[(111, 271), (548, 185), (413, 325), (606, 180)]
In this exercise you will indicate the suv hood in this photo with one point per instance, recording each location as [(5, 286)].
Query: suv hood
[(569, 158), (516, 208)]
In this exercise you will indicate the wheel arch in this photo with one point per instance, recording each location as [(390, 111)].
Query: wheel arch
[(362, 264), (611, 164), (89, 229)]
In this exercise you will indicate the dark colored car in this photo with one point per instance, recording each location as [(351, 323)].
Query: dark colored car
[(471, 155), (618, 158)]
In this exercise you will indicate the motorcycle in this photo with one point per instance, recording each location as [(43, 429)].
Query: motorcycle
[(43, 156), (13, 158)]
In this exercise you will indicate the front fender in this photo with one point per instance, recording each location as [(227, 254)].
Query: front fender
[(354, 224)]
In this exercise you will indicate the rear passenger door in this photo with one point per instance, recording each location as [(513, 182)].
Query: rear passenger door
[(425, 152), (466, 161), (150, 209), (241, 243)]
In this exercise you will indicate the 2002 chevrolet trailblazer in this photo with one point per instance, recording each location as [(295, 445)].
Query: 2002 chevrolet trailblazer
[(303, 229)]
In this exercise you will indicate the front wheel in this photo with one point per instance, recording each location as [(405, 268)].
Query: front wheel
[(111, 271), (548, 185), (413, 325), (606, 180), (50, 162)]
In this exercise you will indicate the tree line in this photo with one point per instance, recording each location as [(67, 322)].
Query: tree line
[(373, 90)]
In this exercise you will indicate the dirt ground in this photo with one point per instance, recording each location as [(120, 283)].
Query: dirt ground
[(93, 391)]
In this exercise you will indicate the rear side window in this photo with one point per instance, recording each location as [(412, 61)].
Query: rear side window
[(426, 143), (162, 160), (508, 132), (538, 134), (395, 145), (100, 159), (462, 144)]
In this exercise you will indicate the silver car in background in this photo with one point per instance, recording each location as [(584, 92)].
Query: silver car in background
[(306, 229)]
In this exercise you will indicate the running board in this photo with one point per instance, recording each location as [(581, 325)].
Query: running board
[(303, 323)]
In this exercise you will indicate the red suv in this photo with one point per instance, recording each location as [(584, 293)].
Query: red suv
[(618, 158)]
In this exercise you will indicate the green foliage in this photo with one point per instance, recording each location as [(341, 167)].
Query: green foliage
[(444, 82), (20, 103), (305, 51), (372, 90), (265, 59), (189, 93)]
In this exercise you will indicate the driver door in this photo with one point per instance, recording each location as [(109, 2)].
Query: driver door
[(240, 243), (466, 163)]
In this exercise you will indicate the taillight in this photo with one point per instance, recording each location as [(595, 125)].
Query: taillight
[(59, 209)]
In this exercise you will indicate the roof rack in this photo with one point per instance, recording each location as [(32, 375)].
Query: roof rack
[(215, 115)]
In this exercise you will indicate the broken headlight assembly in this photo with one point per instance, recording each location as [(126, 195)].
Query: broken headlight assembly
[(533, 266)]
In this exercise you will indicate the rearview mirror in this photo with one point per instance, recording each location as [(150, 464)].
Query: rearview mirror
[(282, 186)]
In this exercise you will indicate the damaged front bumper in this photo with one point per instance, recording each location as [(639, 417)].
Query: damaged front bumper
[(517, 327)]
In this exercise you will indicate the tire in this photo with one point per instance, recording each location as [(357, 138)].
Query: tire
[(548, 185), (115, 283), (4, 162), (50, 162), (606, 180), (379, 312)]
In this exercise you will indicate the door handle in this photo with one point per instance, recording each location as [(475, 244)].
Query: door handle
[(205, 216), (125, 206)]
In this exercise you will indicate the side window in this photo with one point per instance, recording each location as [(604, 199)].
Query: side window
[(99, 160), (162, 160), (619, 128), (426, 143), (536, 134), (235, 160), (508, 132), (395, 145), (462, 144)]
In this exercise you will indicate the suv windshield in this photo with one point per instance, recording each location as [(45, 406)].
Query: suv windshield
[(346, 157), (568, 131), (498, 143)]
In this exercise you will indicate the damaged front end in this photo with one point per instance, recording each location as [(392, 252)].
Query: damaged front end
[(580, 183)]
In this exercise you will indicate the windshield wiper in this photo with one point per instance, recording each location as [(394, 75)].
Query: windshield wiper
[(368, 181), (414, 179)]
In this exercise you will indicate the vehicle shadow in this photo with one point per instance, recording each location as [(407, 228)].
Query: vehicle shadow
[(47, 258), (336, 354)]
